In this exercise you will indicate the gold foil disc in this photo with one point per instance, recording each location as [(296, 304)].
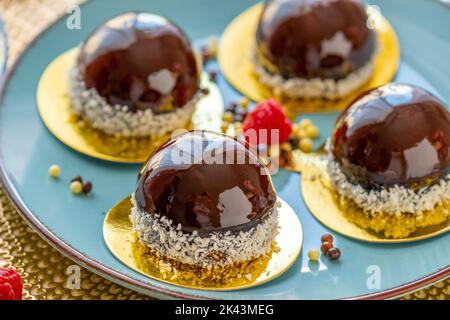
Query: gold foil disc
[(235, 56), (122, 241), (323, 204), (54, 108)]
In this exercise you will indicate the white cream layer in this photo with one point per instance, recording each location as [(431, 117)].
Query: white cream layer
[(216, 250), (117, 120), (317, 87), (394, 200)]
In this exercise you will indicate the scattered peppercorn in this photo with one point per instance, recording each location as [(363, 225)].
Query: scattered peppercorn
[(306, 144), (76, 187), (77, 178), (312, 131), (294, 142), (305, 123), (327, 238), (212, 75), (54, 171), (313, 255), (286, 146), (212, 46), (232, 107), (87, 187), (326, 246), (333, 254), (285, 158), (205, 54), (244, 103), (228, 116)]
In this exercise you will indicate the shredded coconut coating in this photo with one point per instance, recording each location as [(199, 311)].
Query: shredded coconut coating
[(216, 250), (317, 87), (393, 200), (117, 120)]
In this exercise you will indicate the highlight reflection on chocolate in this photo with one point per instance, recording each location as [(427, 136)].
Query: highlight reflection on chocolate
[(318, 38), (203, 196), (138, 60), (395, 134)]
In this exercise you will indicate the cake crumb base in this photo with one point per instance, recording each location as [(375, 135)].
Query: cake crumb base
[(231, 276), (400, 226)]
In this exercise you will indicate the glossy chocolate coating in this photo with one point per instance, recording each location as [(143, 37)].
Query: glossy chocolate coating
[(203, 196), (314, 38), (120, 56), (395, 134)]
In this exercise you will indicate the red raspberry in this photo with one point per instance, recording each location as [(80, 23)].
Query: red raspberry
[(267, 115), (10, 285)]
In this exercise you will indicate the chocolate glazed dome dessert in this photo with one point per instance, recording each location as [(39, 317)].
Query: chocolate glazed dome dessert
[(314, 48), (205, 211), (136, 75), (390, 156)]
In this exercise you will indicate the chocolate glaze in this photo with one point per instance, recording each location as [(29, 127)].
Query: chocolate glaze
[(201, 195), (120, 55), (292, 38), (395, 134)]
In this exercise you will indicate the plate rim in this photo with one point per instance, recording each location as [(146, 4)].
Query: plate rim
[(119, 277)]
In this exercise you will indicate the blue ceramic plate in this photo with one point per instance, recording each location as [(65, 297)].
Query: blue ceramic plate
[(74, 224)]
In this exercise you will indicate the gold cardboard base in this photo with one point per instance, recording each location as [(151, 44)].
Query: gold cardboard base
[(323, 204), (54, 108), (122, 241)]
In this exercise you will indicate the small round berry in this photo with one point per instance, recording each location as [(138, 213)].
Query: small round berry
[(54, 171), (212, 76), (286, 146), (77, 178), (206, 55), (326, 246), (224, 128), (212, 46), (306, 144), (312, 131), (327, 238), (294, 141), (313, 254), (87, 187), (334, 254), (76, 187), (228, 116), (301, 133), (305, 123), (244, 103)]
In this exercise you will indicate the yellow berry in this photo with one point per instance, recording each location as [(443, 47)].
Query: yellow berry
[(286, 146), (305, 123), (228, 116), (244, 103), (313, 254), (312, 131), (212, 46), (301, 133), (306, 144), (54, 171), (76, 187)]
